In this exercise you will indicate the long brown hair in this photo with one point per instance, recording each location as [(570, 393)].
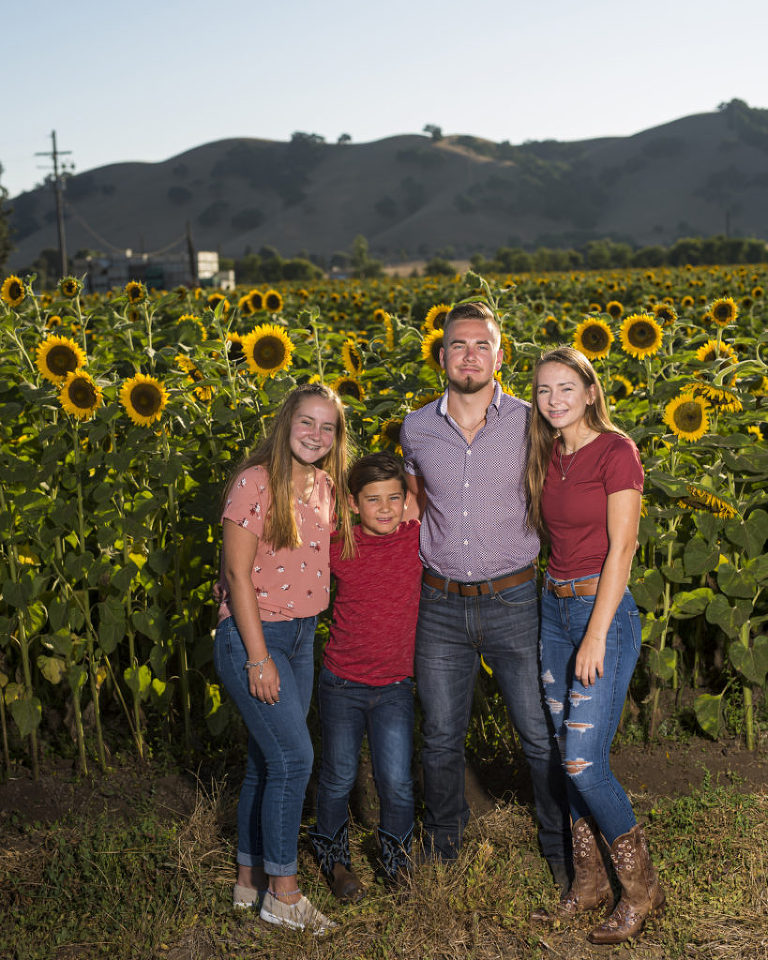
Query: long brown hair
[(273, 453), (542, 435)]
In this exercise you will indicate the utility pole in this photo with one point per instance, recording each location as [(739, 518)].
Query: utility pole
[(58, 189), (192, 257)]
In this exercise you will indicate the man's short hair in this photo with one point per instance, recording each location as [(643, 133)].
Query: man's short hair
[(473, 310)]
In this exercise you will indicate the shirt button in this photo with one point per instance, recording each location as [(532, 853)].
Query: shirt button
[(469, 573), (466, 543), (465, 513), (466, 483), (469, 452)]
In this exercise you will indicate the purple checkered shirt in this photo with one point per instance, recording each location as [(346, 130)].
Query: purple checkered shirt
[(474, 525)]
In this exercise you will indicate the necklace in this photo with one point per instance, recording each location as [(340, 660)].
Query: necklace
[(469, 431), (564, 471)]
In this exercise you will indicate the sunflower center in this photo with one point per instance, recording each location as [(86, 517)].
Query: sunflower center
[(689, 416), (641, 333), (15, 289), (595, 337), (273, 303), (146, 399), (61, 360), (269, 352), (392, 431), (82, 393), (437, 346)]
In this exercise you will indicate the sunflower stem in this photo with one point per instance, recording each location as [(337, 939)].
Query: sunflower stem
[(79, 731), (4, 729)]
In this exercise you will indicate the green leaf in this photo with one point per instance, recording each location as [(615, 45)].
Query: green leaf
[(77, 674), (751, 662), (35, 618), (647, 588), (674, 572), (700, 557), (709, 713), (708, 525), (736, 583), (13, 595), (730, 618), (662, 663), (690, 603), (139, 680), (123, 577), (112, 624), (652, 628), (750, 533), (758, 568), (27, 712), (150, 622), (52, 668)]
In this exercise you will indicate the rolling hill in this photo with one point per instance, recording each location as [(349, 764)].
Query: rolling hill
[(412, 196)]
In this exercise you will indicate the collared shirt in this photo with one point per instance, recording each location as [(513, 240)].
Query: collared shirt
[(474, 526)]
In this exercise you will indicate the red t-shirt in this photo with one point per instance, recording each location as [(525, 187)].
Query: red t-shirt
[(574, 509), (375, 608)]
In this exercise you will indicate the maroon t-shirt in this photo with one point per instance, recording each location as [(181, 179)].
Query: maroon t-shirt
[(374, 612), (574, 509)]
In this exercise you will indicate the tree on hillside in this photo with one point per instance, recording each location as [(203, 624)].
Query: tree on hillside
[(5, 234), (434, 131), (344, 138)]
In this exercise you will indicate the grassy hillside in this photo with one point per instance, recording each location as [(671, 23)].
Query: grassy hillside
[(412, 196)]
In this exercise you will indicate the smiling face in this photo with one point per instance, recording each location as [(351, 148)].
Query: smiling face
[(471, 354), (561, 396), (313, 429), (380, 506)]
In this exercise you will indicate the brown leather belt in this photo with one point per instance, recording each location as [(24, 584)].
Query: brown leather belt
[(577, 588), (484, 587)]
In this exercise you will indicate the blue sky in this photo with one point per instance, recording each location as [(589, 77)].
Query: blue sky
[(152, 78)]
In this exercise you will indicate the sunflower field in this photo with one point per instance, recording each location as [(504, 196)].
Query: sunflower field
[(124, 414)]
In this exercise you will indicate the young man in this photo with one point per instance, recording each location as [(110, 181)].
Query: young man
[(465, 457)]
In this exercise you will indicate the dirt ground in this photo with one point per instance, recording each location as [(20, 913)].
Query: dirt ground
[(667, 768)]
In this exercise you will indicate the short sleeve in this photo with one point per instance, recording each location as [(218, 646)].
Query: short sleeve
[(247, 501), (409, 458), (622, 469)]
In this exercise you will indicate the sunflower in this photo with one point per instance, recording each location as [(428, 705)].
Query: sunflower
[(70, 287), (621, 388), (53, 321), (255, 300), (641, 335), (352, 358), (390, 432), (687, 416), (702, 501), (758, 293), (58, 356), (267, 349), (723, 311), (423, 399), (759, 430), (431, 346), (435, 318), (347, 386), (144, 399), (593, 338), (135, 291), (235, 347), (614, 309), (190, 322), (687, 302), (181, 292), (218, 298), (273, 302), (204, 393), (760, 389), (79, 395), (720, 399), (712, 351), (244, 304), (665, 314), (13, 291), (506, 348), (380, 315)]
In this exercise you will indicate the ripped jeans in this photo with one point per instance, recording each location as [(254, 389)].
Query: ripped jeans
[(586, 718)]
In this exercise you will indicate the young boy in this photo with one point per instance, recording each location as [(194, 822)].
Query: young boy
[(365, 683)]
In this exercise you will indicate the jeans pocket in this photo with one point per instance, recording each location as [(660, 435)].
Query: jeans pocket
[(522, 596), (431, 594), (329, 679)]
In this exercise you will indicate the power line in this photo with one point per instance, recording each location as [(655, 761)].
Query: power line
[(111, 246)]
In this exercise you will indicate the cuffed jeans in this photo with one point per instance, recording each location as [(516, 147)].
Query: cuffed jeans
[(279, 746), (453, 631), (586, 718), (347, 711)]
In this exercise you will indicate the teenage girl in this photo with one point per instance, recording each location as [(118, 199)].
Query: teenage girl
[(585, 481), (279, 510)]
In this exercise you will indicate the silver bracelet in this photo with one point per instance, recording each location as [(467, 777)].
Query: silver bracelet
[(259, 664)]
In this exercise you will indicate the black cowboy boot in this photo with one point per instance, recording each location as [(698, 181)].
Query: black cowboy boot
[(333, 858)]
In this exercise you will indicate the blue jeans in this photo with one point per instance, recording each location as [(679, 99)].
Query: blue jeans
[(347, 711), (279, 746), (586, 718), (452, 632)]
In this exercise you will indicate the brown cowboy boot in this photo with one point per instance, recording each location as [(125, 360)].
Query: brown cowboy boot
[(591, 887), (641, 895), (333, 858)]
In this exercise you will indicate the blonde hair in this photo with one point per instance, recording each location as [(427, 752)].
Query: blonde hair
[(273, 453), (542, 435)]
